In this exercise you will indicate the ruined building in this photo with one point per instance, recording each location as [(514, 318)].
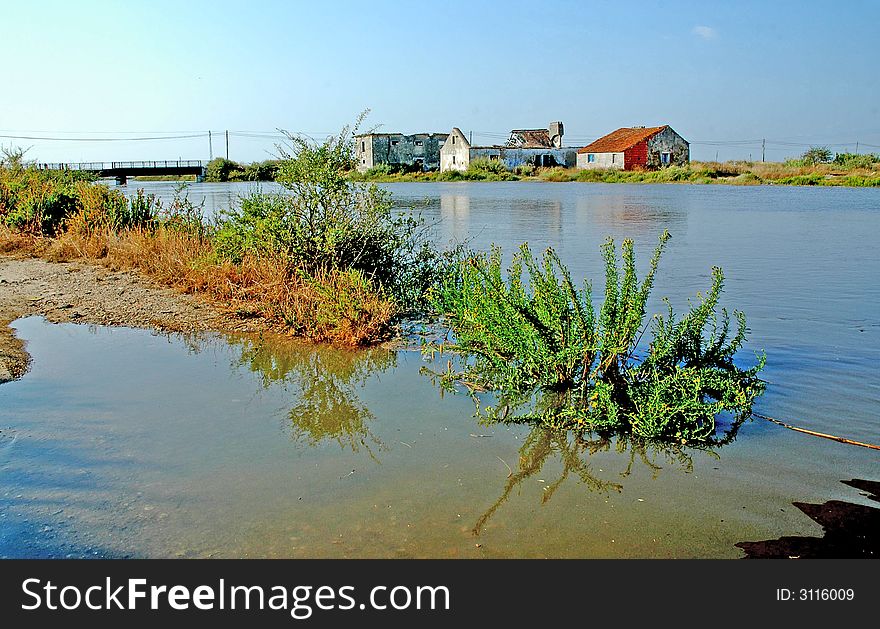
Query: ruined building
[(636, 148), (537, 147), (420, 151)]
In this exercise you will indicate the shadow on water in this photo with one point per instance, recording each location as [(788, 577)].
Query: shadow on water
[(851, 530), (325, 382), (573, 449), (39, 519)]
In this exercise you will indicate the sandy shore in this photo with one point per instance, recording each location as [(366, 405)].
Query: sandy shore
[(79, 292)]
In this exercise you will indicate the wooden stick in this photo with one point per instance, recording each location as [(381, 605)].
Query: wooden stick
[(818, 434)]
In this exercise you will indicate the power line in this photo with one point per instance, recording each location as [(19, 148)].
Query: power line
[(141, 139), (281, 135)]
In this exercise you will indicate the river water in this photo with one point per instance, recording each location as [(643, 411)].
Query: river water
[(123, 442)]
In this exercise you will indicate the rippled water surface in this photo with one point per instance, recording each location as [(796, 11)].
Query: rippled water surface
[(125, 443)]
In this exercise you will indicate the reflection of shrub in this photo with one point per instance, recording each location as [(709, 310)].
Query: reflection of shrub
[(327, 406), (537, 340), (573, 450)]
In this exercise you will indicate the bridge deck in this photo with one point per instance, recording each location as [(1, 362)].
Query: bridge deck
[(132, 169)]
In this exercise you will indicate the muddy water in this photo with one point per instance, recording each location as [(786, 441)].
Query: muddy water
[(124, 443)]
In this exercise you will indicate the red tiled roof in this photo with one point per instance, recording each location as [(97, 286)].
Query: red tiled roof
[(622, 139)]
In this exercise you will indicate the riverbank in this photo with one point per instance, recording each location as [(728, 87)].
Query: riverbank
[(331, 263), (79, 292), (729, 173)]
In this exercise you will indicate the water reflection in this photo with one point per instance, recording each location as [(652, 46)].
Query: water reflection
[(616, 208), (454, 206), (574, 449), (325, 381)]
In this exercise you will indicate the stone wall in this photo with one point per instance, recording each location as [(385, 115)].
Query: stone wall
[(667, 141), (514, 156), (417, 151)]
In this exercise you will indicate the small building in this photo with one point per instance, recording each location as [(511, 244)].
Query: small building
[(536, 147), (420, 151), (635, 148)]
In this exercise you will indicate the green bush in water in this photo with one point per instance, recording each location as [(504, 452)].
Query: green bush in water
[(536, 340)]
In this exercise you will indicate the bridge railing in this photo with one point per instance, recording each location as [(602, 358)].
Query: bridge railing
[(103, 166)]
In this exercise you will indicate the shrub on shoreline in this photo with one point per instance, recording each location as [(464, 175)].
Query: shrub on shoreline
[(221, 170)]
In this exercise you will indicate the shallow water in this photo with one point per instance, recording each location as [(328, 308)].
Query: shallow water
[(125, 443)]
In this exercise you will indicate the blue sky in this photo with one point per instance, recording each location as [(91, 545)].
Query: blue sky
[(795, 73)]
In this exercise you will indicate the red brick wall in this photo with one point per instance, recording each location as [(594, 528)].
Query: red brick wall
[(636, 156)]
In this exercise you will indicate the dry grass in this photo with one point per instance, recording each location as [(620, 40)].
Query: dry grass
[(770, 171), (340, 307), (17, 243), (736, 173)]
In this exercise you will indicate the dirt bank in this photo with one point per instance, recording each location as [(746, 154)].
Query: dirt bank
[(82, 293)]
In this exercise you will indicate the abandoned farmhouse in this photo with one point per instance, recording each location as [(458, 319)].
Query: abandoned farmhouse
[(628, 148), (420, 151), (632, 148), (538, 147)]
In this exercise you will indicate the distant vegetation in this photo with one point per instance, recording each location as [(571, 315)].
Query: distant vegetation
[(818, 166), (478, 170), (220, 169), (814, 168)]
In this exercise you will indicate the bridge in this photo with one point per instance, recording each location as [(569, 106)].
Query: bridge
[(123, 170)]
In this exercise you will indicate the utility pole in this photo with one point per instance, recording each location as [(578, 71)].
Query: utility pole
[(471, 141), (227, 144), (763, 144), (210, 147), (857, 148)]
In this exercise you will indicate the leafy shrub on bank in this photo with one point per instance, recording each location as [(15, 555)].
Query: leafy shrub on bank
[(379, 170), (489, 169), (856, 160), (221, 169), (261, 171), (47, 202), (329, 222), (480, 169), (816, 155)]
